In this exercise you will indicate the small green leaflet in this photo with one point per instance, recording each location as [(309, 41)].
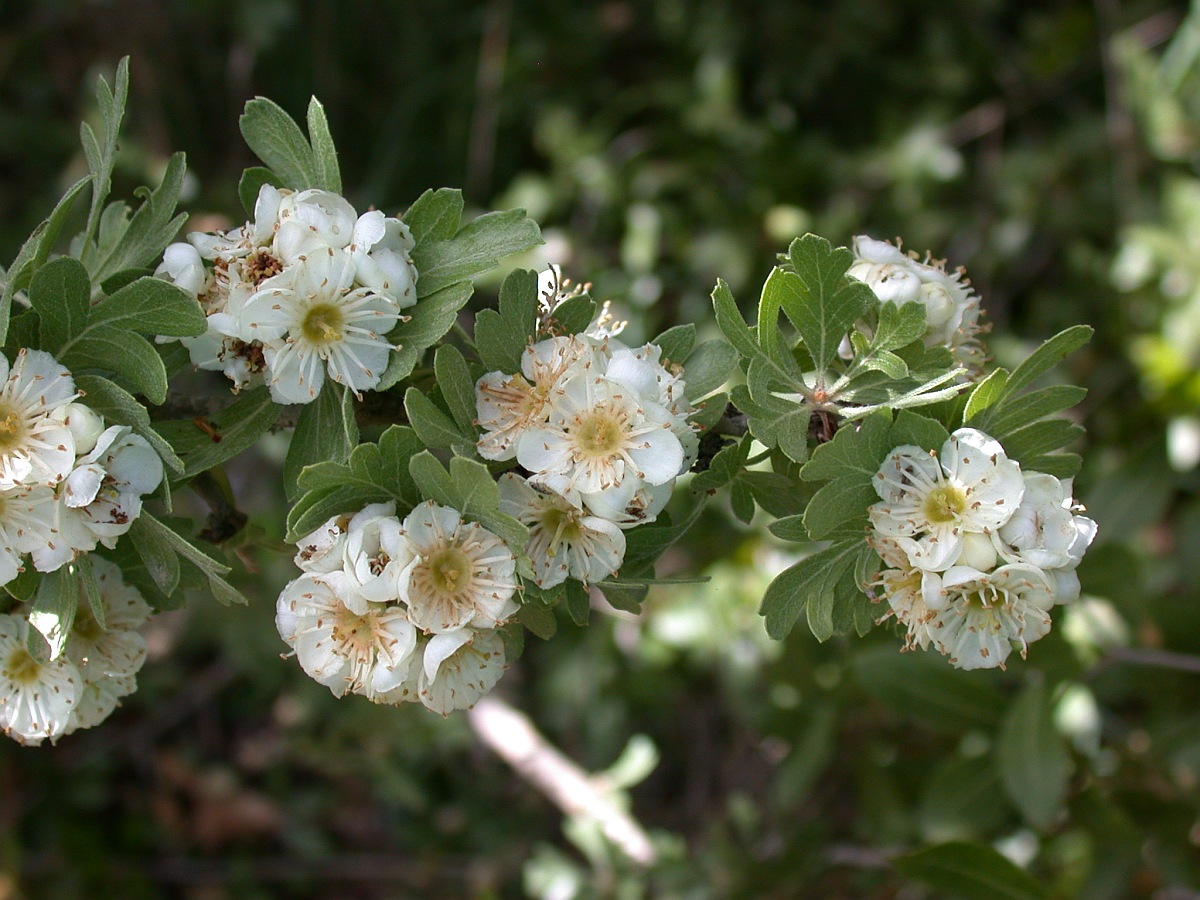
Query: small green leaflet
[(469, 488), (326, 430), (435, 216), (502, 335), (476, 248), (813, 586), (226, 433), (428, 322)]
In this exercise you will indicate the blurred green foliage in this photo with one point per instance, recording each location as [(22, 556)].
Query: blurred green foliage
[(1053, 147)]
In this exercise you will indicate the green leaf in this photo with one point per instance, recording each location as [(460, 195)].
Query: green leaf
[(428, 323), (1034, 764), (645, 544), (126, 354), (731, 323), (251, 183), (677, 343), (278, 141), (985, 395), (60, 292), (1060, 465), (708, 367), (724, 467), (776, 422), (963, 798), (923, 686), (34, 251), (538, 619), (148, 306), (212, 570), (118, 405), (1047, 356), (843, 500), (152, 227), (624, 595), (54, 607), (457, 386), (889, 364), (477, 247), (790, 528), (808, 586), (898, 326), (156, 553), (432, 425), (501, 337), (1040, 438), (578, 603), (741, 501), (1012, 414), (777, 494), (917, 430), (397, 446), (228, 432), (469, 488), (324, 153), (101, 155), (853, 450), (970, 871), (326, 430), (821, 301), (435, 216), (573, 316)]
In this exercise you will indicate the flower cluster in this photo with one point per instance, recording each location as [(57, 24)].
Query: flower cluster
[(308, 290), (602, 431), (977, 550), (84, 683), (401, 611), (67, 482), (952, 309)]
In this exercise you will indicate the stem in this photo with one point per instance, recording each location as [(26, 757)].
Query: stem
[(566, 785)]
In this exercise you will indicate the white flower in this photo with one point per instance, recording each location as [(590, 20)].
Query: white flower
[(103, 494), (929, 503), (98, 699), (952, 309), (374, 555), (36, 698), (1043, 530), (345, 651), (460, 575), (183, 266), (322, 551), (116, 648), (459, 668), (642, 370), (598, 436), (312, 220), (986, 613), (29, 524), (632, 504), (906, 590), (36, 446), (320, 324), (509, 404), (380, 247), (86, 426), (564, 542)]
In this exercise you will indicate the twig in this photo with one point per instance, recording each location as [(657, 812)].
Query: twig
[(1145, 656), (565, 784)]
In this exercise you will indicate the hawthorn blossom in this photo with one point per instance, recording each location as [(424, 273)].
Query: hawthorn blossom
[(564, 542), (339, 648), (317, 323), (459, 574), (36, 445), (374, 555), (29, 523), (598, 436), (116, 647), (986, 613), (36, 697), (952, 309), (929, 503), (459, 668), (103, 494)]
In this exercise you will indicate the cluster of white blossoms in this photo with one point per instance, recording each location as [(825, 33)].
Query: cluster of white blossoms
[(96, 666), (400, 611), (952, 309), (602, 432), (977, 550), (67, 482), (308, 290)]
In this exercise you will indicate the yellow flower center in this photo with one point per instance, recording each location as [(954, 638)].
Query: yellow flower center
[(450, 571), (323, 324), (945, 503), (12, 427), (561, 524), (598, 434), (22, 667)]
